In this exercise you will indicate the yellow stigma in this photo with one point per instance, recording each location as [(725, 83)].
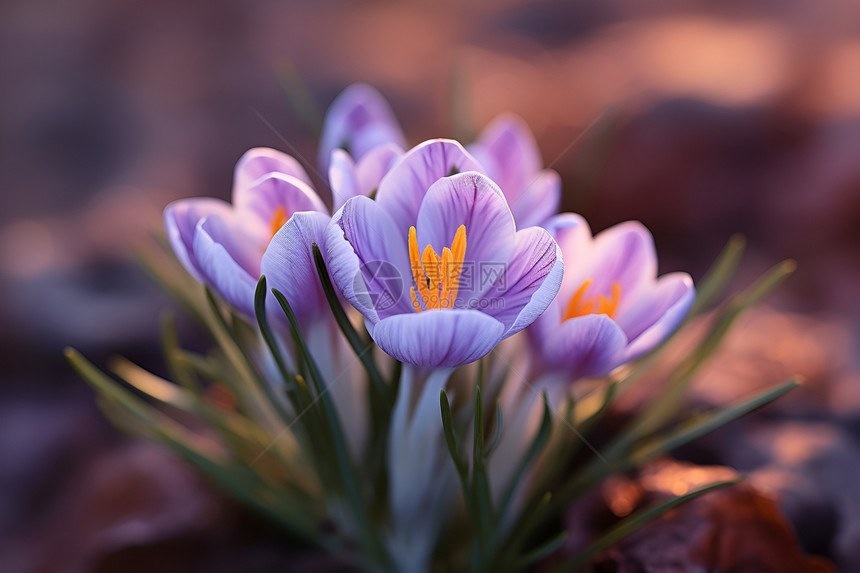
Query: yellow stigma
[(436, 278), (580, 305), (278, 220)]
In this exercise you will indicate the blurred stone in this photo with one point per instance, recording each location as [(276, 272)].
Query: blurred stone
[(766, 347), (734, 529), (813, 468), (43, 441), (133, 497)]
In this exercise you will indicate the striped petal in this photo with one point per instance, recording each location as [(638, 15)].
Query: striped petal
[(531, 281), (368, 260), (348, 178), (180, 221), (438, 338), (358, 120), (510, 153), (538, 201), (228, 263), (656, 312), (261, 161), (590, 345), (289, 266), (271, 201), (473, 200), (402, 190)]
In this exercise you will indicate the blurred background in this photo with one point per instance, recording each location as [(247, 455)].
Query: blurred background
[(701, 119)]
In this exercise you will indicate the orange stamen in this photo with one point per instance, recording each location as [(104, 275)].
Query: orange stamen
[(417, 271), (436, 278), (446, 287), (414, 299), (279, 218), (579, 305)]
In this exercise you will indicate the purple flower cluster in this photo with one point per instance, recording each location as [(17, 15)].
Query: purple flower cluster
[(444, 250)]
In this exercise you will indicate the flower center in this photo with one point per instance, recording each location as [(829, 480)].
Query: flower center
[(580, 305), (279, 218), (436, 278)]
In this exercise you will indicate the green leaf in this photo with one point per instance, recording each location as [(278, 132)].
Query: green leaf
[(249, 388), (706, 423), (348, 479), (530, 517), (542, 551), (159, 262), (535, 448), (633, 523), (300, 98), (179, 370), (483, 504), (451, 439), (272, 342), (671, 398), (362, 348), (157, 388), (112, 390), (498, 427), (292, 511), (718, 276)]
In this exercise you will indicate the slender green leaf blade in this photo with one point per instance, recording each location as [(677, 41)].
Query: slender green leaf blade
[(451, 437), (535, 448), (718, 276), (348, 477), (705, 424), (635, 522), (362, 348), (542, 552)]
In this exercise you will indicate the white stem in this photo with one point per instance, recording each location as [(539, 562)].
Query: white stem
[(420, 472)]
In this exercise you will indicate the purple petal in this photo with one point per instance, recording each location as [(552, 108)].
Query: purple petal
[(289, 266), (358, 120), (538, 201), (566, 227), (376, 136), (257, 206), (261, 161), (473, 200), (370, 170), (402, 190), (622, 254), (342, 178), (368, 259), (228, 261), (657, 312), (438, 338), (508, 150), (590, 345), (532, 279), (349, 179), (180, 220), (573, 236)]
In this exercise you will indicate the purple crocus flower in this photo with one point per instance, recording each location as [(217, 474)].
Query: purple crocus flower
[(269, 228), (435, 264), (358, 121), (611, 307), (508, 151)]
